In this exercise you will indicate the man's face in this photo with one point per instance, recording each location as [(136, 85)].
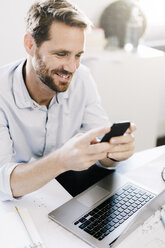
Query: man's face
[(57, 59)]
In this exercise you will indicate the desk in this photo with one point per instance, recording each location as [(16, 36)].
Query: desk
[(52, 195)]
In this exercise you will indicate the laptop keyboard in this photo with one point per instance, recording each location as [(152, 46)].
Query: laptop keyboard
[(114, 211)]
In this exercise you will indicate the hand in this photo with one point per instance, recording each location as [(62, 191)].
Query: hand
[(78, 153), (122, 147)]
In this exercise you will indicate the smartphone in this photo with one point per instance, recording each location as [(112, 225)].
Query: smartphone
[(117, 129)]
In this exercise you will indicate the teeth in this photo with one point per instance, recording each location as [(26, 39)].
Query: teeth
[(63, 76)]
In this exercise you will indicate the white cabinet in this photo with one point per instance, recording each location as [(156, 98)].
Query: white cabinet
[(130, 85)]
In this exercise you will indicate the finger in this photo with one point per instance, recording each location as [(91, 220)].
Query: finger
[(95, 140), (99, 148), (96, 157), (78, 134), (132, 128), (127, 138), (122, 147), (92, 134), (120, 156)]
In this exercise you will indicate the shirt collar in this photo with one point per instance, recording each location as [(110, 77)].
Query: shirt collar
[(21, 94)]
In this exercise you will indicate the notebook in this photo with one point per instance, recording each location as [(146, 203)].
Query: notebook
[(148, 228), (13, 230), (102, 212)]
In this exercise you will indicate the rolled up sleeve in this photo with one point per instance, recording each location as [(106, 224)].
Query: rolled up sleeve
[(7, 161), (5, 173)]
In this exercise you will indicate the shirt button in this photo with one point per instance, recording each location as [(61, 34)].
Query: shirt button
[(34, 105)]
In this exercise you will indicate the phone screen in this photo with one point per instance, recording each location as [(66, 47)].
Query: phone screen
[(117, 129)]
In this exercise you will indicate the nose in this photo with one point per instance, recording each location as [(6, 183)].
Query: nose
[(71, 65)]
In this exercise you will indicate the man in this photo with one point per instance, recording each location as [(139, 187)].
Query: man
[(50, 111)]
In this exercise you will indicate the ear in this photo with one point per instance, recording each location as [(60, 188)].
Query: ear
[(29, 44)]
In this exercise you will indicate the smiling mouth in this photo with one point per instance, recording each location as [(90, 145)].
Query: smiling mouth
[(63, 76)]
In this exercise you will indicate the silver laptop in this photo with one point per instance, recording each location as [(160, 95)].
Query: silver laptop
[(101, 213)]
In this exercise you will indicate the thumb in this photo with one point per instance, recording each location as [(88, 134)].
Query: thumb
[(92, 134), (132, 128)]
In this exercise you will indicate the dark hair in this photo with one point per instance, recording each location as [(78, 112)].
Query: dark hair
[(42, 14)]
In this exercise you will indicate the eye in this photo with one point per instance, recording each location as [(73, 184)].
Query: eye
[(78, 55), (61, 54)]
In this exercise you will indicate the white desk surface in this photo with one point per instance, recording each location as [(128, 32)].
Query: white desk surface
[(144, 166)]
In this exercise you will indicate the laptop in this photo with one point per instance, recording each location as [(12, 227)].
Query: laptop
[(101, 213)]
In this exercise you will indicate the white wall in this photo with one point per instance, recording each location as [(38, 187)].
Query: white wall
[(130, 86), (12, 13), (92, 8)]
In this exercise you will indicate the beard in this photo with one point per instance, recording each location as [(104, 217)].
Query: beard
[(46, 76)]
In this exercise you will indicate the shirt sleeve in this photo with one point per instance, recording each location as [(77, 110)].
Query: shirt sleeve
[(7, 161), (105, 167)]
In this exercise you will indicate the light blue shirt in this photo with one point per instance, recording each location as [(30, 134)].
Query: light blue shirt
[(29, 131)]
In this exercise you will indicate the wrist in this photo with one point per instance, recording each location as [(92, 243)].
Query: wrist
[(113, 159), (107, 162), (57, 162), (105, 167)]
